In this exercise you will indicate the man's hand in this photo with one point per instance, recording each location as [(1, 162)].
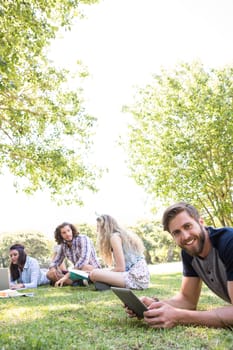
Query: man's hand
[(60, 282), (161, 315), (54, 274), (146, 301)]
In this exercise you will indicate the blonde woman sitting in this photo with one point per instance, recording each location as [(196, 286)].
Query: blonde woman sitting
[(122, 251)]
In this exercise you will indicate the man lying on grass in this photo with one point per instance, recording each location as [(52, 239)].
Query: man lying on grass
[(207, 255)]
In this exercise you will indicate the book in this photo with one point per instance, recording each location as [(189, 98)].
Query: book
[(12, 293), (76, 274)]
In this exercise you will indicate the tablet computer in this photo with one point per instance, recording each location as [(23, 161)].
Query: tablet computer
[(130, 300)]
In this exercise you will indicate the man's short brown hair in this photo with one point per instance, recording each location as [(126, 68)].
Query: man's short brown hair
[(171, 212)]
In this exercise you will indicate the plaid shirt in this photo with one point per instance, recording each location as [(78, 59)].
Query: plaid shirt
[(81, 252)]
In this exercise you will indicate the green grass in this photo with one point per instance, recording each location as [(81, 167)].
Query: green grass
[(81, 318)]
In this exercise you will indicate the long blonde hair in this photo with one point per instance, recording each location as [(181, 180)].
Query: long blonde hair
[(130, 240)]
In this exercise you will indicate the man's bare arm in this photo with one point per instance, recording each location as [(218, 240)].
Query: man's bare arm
[(166, 314)]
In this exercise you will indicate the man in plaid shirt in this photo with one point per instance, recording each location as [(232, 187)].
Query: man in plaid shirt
[(77, 248)]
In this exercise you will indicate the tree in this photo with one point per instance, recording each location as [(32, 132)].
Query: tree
[(159, 246), (44, 131), (88, 230), (35, 243), (181, 139)]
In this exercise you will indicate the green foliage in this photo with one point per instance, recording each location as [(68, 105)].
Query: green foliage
[(181, 139), (159, 246), (96, 320), (88, 230), (45, 132), (36, 245)]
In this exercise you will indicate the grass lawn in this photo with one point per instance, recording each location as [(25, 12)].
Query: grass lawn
[(82, 318)]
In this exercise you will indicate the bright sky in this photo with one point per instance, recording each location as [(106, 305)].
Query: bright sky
[(122, 42)]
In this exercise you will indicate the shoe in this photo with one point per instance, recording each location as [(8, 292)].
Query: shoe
[(100, 286), (85, 283), (80, 283)]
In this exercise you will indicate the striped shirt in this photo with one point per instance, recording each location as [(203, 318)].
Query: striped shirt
[(81, 252)]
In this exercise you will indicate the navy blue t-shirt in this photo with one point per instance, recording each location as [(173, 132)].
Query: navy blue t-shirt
[(217, 268)]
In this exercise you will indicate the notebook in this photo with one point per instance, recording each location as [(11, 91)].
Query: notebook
[(4, 278), (76, 274)]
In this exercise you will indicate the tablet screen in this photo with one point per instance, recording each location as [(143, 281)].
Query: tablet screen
[(130, 300)]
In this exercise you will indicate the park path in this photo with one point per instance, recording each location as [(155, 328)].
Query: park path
[(172, 267)]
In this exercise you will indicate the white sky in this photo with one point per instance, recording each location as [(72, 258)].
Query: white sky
[(122, 42)]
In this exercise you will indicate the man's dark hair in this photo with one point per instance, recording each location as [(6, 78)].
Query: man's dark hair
[(57, 233), (171, 212)]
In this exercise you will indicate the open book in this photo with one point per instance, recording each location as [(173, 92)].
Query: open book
[(78, 274), (10, 293)]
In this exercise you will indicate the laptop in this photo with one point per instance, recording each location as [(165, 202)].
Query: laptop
[(4, 278)]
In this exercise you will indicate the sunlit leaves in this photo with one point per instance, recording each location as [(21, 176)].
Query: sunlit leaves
[(36, 245), (181, 140), (45, 132)]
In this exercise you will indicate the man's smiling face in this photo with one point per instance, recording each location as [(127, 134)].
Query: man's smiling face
[(188, 234)]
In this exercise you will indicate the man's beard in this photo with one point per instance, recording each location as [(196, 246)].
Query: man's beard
[(68, 240), (201, 242)]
